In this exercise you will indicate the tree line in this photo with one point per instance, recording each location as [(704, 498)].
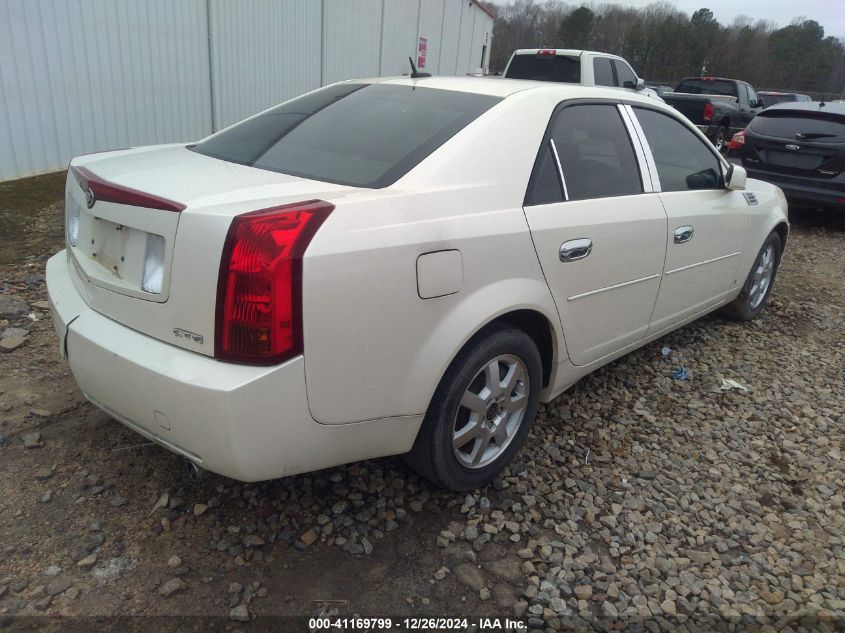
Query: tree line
[(664, 44)]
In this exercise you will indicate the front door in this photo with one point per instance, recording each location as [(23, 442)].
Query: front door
[(599, 236), (707, 222)]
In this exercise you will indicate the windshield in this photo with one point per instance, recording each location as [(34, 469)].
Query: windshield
[(770, 100), (707, 87), (363, 135), (544, 67)]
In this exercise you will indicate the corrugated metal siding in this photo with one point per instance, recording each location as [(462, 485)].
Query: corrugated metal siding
[(351, 37), (451, 33), (431, 24), (399, 36), (468, 17), (79, 76), (482, 31), (264, 52)]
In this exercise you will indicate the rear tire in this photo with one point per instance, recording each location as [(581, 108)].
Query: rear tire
[(758, 285), (481, 411)]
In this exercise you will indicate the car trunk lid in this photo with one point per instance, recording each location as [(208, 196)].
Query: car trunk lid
[(149, 233)]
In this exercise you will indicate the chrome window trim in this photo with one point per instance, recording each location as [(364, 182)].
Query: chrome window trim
[(637, 144), (649, 157), (559, 169)]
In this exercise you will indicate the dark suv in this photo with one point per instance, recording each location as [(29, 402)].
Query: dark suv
[(800, 147)]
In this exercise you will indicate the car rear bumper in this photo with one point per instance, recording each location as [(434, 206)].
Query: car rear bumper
[(802, 189), (248, 423)]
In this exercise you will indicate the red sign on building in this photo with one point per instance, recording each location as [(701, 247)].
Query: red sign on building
[(421, 50)]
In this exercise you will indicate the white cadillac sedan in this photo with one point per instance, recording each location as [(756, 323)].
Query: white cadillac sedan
[(396, 266)]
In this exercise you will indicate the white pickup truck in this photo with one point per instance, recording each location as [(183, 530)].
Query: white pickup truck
[(587, 68)]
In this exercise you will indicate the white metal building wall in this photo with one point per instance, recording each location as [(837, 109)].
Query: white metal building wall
[(80, 76), (264, 52)]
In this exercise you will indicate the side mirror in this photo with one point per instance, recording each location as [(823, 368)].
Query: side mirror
[(640, 84), (755, 103), (736, 177)]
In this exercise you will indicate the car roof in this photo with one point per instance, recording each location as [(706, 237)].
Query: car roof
[(503, 87), (809, 106), (711, 78), (779, 93), (574, 52)]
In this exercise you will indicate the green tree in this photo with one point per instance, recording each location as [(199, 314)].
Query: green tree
[(575, 28)]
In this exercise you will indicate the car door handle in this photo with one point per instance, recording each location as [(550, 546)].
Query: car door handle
[(573, 250), (683, 234)]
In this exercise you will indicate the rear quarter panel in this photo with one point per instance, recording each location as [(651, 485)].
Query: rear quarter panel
[(373, 347)]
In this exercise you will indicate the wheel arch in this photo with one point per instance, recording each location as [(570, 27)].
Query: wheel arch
[(531, 319), (537, 326), (782, 229)]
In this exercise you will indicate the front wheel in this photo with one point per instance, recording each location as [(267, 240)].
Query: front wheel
[(758, 286), (481, 411)]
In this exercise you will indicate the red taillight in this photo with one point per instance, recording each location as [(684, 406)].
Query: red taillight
[(547, 51), (708, 112), (259, 289), (737, 141), (108, 192)]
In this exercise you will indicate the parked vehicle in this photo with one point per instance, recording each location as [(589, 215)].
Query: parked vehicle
[(769, 98), (396, 266), (659, 89), (800, 147), (586, 68), (718, 107)]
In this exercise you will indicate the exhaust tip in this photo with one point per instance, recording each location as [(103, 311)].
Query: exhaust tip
[(196, 473)]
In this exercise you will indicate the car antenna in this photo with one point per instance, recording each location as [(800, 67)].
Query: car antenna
[(414, 73)]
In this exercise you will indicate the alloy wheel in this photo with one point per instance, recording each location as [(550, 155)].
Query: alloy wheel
[(491, 411), (761, 276)]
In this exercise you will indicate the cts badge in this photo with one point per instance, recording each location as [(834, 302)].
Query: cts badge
[(792, 148)]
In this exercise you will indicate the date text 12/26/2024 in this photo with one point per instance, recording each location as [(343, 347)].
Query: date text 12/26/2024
[(362, 624)]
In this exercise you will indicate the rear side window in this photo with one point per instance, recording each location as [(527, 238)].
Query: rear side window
[(795, 125), (602, 71), (624, 74), (595, 152), (363, 135), (560, 68), (708, 87), (683, 160)]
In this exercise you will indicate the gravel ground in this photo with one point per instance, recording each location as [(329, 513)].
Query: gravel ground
[(640, 502)]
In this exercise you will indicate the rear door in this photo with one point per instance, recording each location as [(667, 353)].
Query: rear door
[(598, 229), (707, 222)]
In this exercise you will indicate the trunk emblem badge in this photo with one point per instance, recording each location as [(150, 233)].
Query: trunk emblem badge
[(792, 147), (191, 336), (90, 199)]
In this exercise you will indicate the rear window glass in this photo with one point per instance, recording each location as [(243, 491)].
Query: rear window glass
[(820, 127), (707, 87), (562, 68), (363, 135)]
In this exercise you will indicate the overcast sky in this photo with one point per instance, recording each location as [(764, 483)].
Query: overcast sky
[(829, 13)]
